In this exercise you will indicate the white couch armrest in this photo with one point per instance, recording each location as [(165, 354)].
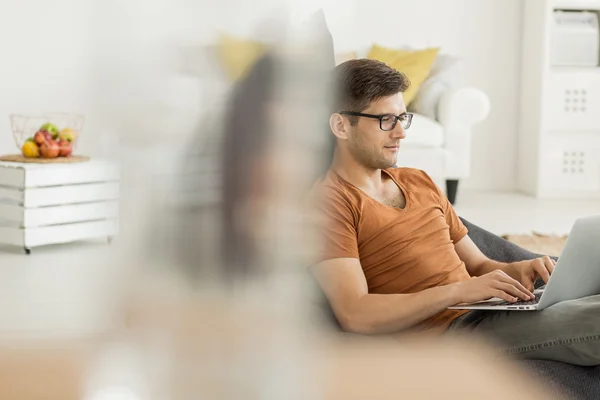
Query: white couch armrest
[(458, 110)]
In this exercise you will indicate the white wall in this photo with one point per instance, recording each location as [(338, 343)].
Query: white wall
[(84, 55), (485, 33), (45, 64), (114, 61)]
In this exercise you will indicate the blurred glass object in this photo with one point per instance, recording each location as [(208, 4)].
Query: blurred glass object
[(222, 302)]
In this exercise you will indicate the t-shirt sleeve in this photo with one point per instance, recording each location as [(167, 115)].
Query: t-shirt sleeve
[(336, 227), (457, 229)]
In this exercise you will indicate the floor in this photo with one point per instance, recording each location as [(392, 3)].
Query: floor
[(58, 290), (515, 213), (67, 290)]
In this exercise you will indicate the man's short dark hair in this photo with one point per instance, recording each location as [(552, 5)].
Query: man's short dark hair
[(359, 82)]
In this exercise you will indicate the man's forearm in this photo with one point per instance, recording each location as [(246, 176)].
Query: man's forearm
[(491, 265), (386, 313)]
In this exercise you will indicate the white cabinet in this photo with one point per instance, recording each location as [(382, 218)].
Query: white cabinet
[(44, 204), (559, 121)]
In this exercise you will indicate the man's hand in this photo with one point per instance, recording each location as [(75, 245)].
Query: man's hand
[(494, 284), (528, 271)]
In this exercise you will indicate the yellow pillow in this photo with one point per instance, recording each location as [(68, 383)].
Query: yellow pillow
[(238, 55), (414, 64)]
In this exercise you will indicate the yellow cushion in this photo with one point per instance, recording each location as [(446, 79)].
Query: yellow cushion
[(238, 55), (414, 64)]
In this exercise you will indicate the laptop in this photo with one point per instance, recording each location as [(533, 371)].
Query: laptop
[(576, 273)]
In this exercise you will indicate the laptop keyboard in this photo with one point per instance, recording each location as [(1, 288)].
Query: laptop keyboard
[(522, 302)]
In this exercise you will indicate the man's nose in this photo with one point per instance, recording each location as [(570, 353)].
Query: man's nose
[(398, 132)]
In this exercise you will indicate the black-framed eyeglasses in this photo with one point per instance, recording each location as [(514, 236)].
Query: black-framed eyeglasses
[(387, 122)]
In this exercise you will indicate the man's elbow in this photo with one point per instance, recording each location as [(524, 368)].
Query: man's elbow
[(353, 323)]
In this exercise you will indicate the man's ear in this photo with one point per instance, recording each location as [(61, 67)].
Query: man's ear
[(339, 126)]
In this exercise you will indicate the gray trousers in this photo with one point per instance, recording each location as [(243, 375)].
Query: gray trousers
[(567, 331)]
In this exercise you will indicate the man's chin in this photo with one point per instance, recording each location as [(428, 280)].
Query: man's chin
[(392, 163), (387, 164)]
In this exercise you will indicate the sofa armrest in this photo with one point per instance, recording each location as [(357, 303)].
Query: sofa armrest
[(463, 106), (458, 110)]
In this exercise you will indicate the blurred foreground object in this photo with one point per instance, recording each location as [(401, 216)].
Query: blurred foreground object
[(334, 369)]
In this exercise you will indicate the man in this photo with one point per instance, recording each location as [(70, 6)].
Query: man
[(395, 253)]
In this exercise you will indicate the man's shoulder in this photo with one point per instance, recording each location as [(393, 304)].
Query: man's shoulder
[(331, 188), (326, 185)]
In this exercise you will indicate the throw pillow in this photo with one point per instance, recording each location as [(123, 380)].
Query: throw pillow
[(238, 55), (445, 75), (416, 65)]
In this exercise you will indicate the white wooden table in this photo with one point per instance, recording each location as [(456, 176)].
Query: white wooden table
[(44, 204)]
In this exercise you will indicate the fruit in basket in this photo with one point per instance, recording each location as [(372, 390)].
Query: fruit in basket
[(67, 134), (42, 137), (39, 137), (51, 129), (45, 127), (49, 149), (65, 148), (30, 149)]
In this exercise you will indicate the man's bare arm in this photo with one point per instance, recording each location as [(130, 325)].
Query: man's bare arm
[(525, 272), (345, 286), (476, 262)]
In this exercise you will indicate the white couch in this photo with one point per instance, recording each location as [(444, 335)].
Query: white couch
[(442, 148)]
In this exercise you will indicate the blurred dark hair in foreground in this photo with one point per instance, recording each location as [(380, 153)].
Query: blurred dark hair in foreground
[(253, 165)]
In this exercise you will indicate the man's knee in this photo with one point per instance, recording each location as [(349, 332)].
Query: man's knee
[(582, 315)]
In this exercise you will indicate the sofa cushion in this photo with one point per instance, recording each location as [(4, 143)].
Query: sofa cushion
[(424, 132), (446, 74), (414, 64), (239, 55)]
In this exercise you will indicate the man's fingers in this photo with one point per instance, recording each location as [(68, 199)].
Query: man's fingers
[(528, 283), (504, 296), (549, 263), (540, 266), (507, 279), (514, 291), (530, 286)]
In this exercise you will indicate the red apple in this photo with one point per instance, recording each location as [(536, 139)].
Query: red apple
[(65, 148), (49, 149), (41, 136)]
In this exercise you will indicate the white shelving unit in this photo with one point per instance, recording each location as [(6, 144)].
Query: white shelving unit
[(44, 204), (559, 122)]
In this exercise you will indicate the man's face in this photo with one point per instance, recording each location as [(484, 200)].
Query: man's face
[(369, 145)]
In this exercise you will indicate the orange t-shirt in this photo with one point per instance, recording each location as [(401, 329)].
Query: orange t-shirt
[(401, 250)]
